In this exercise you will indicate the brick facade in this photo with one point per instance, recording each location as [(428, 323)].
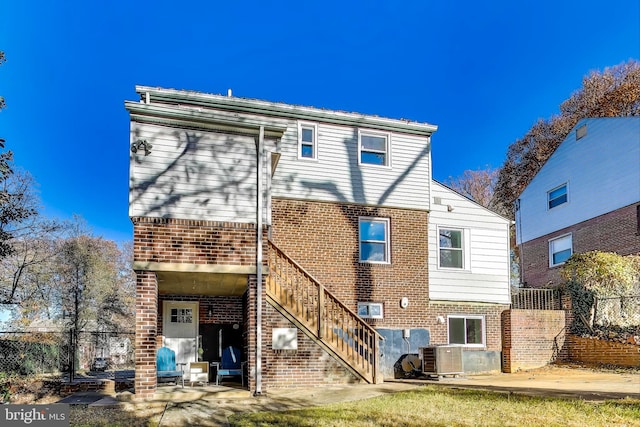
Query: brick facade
[(596, 351), (615, 231), (146, 333), (323, 239), (167, 240), (491, 313), (532, 338)]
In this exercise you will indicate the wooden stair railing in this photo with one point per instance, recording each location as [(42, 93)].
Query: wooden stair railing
[(326, 320)]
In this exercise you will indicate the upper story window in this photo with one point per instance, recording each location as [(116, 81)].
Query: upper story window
[(374, 240), (466, 330), (374, 148), (451, 248), (560, 249), (557, 196), (307, 141)]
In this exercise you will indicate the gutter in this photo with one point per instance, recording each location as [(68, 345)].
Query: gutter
[(280, 110)]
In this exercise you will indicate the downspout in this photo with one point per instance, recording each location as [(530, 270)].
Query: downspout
[(260, 193)]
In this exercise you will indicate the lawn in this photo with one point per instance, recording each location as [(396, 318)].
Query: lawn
[(433, 406)]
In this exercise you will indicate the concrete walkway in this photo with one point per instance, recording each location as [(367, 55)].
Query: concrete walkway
[(214, 409)]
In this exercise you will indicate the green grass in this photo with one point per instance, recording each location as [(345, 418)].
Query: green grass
[(432, 406)]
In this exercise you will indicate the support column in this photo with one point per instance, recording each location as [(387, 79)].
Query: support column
[(146, 334)]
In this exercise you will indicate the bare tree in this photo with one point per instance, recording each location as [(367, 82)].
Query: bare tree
[(477, 185), (614, 92)]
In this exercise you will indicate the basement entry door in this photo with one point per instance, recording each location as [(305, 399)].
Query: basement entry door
[(180, 327)]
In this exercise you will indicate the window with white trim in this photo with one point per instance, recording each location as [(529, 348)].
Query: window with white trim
[(307, 141), (557, 196), (466, 330), (451, 248), (560, 249), (374, 240), (181, 315), (373, 148), (370, 310)]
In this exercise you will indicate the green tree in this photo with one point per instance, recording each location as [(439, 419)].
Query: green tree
[(614, 92)]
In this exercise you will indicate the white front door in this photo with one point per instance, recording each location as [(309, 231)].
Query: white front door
[(180, 328)]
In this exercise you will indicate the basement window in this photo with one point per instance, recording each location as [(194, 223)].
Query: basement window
[(370, 310), (466, 330)]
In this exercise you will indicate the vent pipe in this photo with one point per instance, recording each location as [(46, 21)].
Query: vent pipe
[(229, 93)]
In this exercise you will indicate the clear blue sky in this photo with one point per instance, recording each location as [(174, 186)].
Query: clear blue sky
[(483, 71)]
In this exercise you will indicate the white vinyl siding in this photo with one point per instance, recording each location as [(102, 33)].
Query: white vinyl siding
[(193, 174), (337, 175), (486, 276), (602, 173)]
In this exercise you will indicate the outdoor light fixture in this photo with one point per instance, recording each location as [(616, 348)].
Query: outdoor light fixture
[(141, 143), (210, 312)]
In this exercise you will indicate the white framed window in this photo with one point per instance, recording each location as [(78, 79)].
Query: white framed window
[(467, 330), (374, 240), (181, 315), (560, 249), (451, 248), (374, 148), (370, 310), (307, 141), (558, 196)]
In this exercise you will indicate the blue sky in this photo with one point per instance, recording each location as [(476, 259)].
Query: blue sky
[(484, 72)]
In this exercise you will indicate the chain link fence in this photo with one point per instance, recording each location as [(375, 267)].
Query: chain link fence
[(66, 352), (618, 311)]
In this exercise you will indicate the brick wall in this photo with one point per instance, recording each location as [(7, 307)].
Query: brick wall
[(195, 242), (323, 239), (308, 366), (146, 333), (596, 351), (532, 338), (615, 231), (491, 313)]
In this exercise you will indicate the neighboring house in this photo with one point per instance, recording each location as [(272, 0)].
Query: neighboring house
[(585, 197), (357, 242)]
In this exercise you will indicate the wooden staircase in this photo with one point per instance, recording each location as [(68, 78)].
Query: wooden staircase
[(322, 317)]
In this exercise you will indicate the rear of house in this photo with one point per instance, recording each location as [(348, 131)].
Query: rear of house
[(347, 272)]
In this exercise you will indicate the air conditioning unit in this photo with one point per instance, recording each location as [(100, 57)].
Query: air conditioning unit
[(441, 360)]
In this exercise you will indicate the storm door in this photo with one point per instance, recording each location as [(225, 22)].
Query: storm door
[(180, 329)]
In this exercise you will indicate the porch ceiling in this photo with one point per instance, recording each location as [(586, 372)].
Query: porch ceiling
[(216, 284)]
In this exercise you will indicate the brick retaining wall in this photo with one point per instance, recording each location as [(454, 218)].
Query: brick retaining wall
[(596, 351)]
